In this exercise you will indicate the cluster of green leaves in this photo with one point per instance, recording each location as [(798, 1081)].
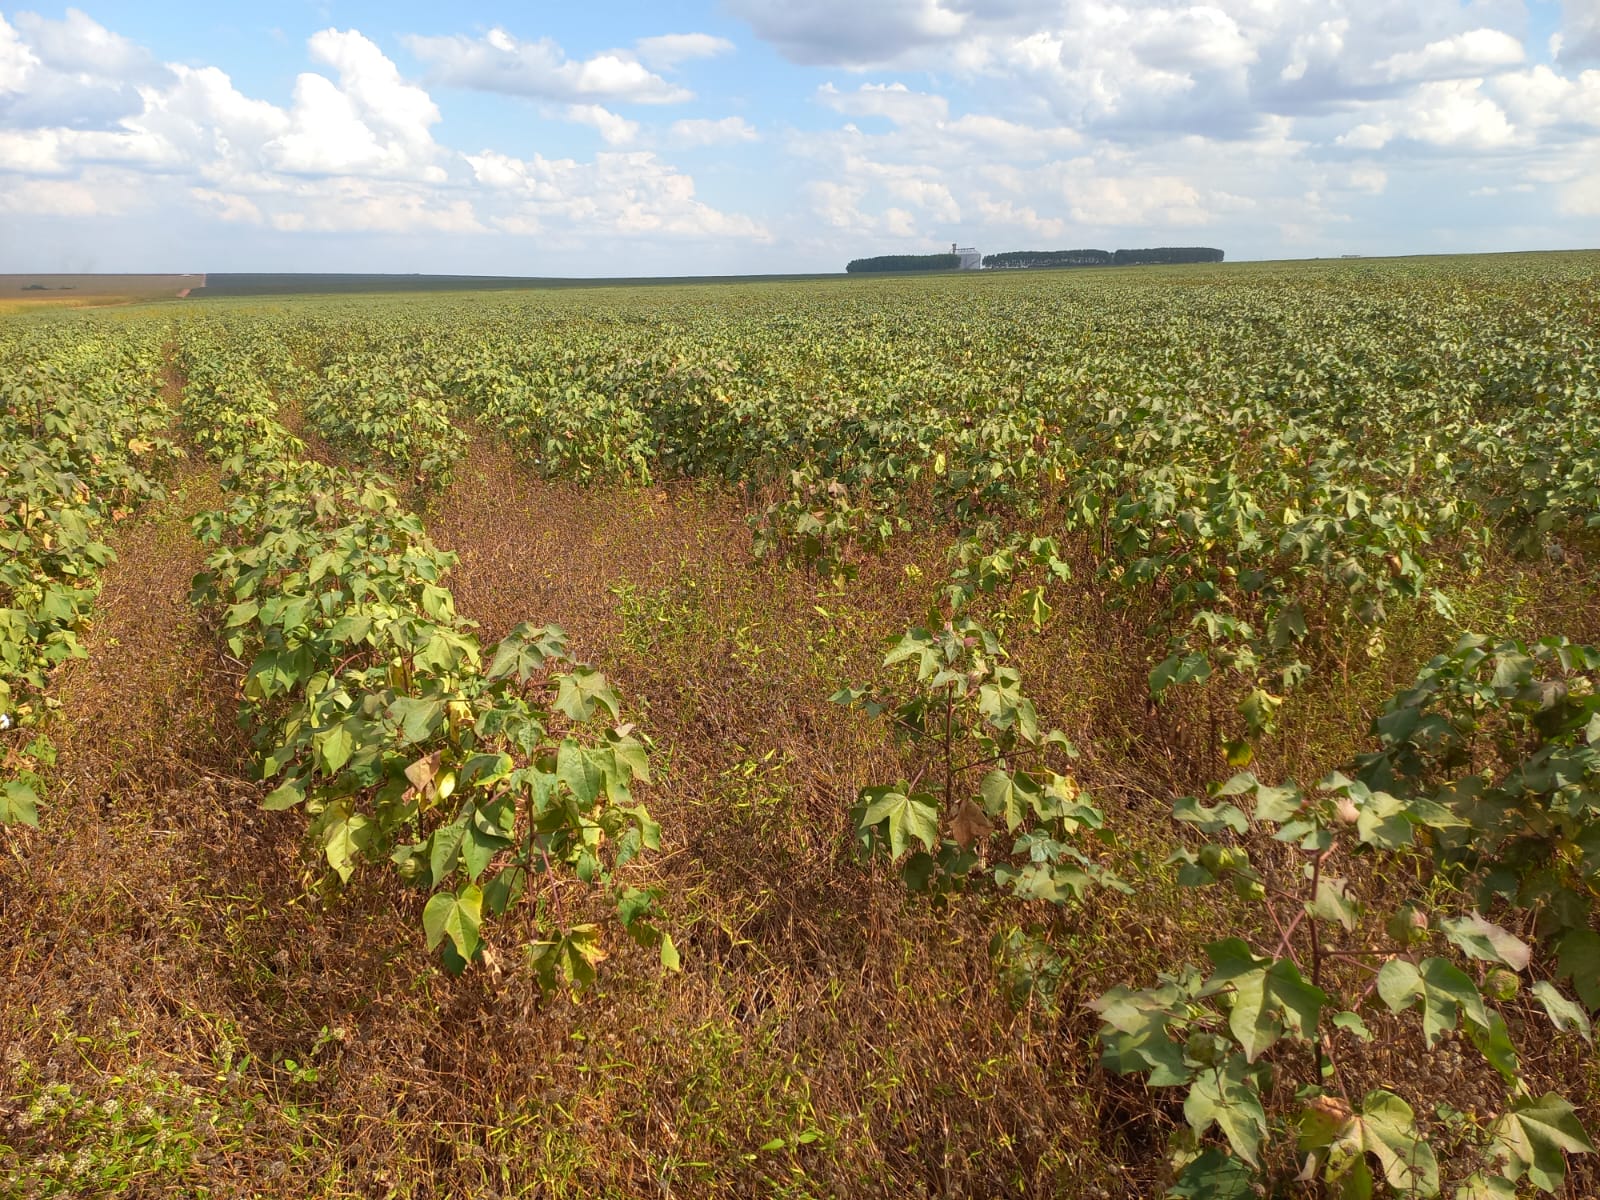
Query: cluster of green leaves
[(984, 801), (1506, 738), (1296, 1000), (488, 780), (561, 416), (816, 522), (83, 443), (229, 405), (388, 412)]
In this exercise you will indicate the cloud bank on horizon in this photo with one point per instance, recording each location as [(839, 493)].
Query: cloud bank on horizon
[(770, 135)]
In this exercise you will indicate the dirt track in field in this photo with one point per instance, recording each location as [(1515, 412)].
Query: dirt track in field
[(152, 706)]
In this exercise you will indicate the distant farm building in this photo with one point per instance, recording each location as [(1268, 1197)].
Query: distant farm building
[(970, 256)]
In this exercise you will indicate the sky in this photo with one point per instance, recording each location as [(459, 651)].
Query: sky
[(754, 136)]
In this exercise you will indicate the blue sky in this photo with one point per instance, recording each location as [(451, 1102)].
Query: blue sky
[(779, 135)]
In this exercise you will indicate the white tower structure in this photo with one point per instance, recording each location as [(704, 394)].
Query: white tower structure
[(971, 257)]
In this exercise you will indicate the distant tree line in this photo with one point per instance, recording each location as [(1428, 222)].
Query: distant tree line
[(1166, 254), (1026, 259), (904, 262), (1023, 259)]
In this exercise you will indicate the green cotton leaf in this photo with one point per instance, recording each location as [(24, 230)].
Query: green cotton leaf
[(445, 845), (1381, 820), (1566, 1016), (915, 816), (513, 656), (444, 653), (1486, 1187), (1238, 784), (294, 612), (633, 905), (649, 829), (1133, 1037), (284, 796), (19, 804), (438, 603), (241, 614), (1444, 989), (1483, 940), (57, 607), (1534, 1136), (1494, 1043), (575, 767), (1041, 881), (456, 917), (1214, 1175), (342, 840), (352, 627), (418, 719), (669, 954), (1289, 625), (1334, 903), (526, 650), (1148, 1050), (1227, 1097), (505, 889), (1211, 820), (335, 746), (1385, 1128), (579, 691), (1179, 668), (917, 644), (479, 848), (1578, 959), (1002, 798), (1511, 670), (1278, 804), (496, 816), (1269, 1002), (1352, 1023), (572, 956), (484, 770), (1035, 606), (1589, 843), (632, 757), (1431, 813), (1259, 709)]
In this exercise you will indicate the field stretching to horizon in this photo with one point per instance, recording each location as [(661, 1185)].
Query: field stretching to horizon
[(1061, 734)]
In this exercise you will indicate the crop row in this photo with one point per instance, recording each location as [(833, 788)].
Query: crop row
[(83, 442), (484, 777)]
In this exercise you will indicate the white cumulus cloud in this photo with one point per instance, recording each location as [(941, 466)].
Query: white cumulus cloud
[(667, 50), (1461, 56), (370, 122), (500, 62), (630, 194), (613, 130), (702, 131), (79, 43), (17, 61), (894, 101)]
